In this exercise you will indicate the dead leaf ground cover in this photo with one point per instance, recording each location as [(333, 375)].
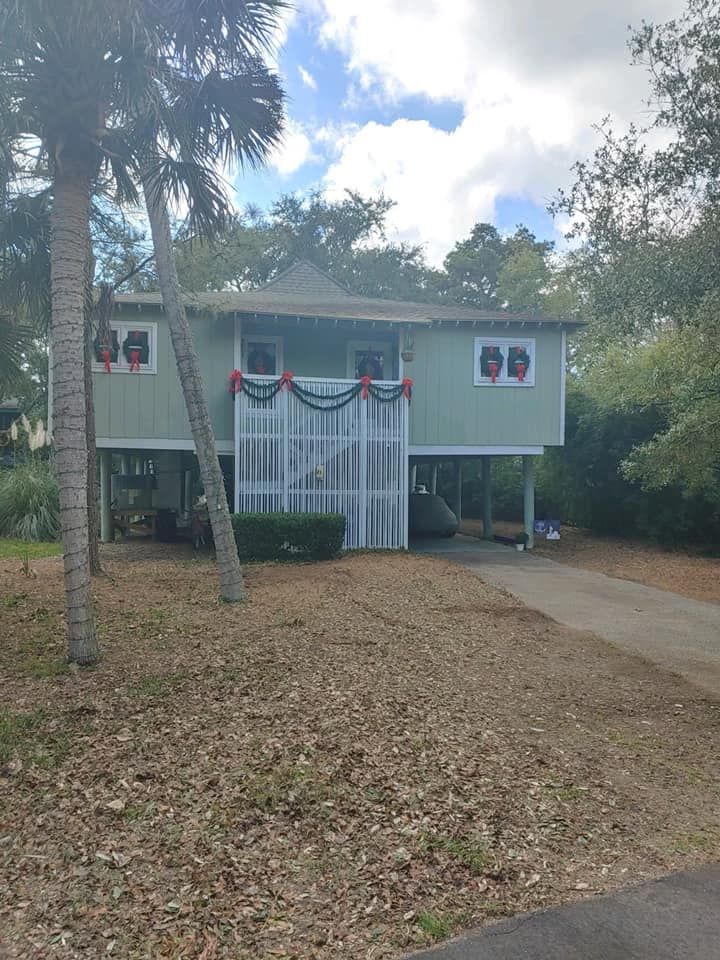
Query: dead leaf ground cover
[(367, 756), (689, 574)]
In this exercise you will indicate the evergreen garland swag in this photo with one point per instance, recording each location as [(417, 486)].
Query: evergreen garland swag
[(265, 392)]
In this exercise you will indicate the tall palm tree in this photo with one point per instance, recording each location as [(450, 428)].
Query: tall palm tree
[(88, 86), (57, 84), (226, 105)]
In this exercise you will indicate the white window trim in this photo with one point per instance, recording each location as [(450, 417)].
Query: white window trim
[(377, 346), (504, 344), (123, 328), (261, 338)]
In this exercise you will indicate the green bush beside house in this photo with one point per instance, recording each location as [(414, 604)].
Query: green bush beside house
[(288, 536)]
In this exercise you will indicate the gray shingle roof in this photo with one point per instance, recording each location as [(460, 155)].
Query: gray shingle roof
[(305, 291), (305, 279)]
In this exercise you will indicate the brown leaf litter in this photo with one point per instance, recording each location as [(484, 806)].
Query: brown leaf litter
[(368, 755)]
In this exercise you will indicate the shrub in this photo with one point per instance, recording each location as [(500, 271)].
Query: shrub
[(288, 536), (29, 502)]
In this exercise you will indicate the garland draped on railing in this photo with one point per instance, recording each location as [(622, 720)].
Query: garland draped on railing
[(265, 392)]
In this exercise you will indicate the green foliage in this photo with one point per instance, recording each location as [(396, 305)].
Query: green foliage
[(643, 428), (29, 502), (22, 548), (474, 268), (288, 536), (471, 852), (439, 926), (588, 481)]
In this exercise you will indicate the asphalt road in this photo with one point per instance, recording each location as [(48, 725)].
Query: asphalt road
[(676, 918)]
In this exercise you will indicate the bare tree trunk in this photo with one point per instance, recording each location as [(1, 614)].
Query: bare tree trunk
[(70, 217), (232, 587)]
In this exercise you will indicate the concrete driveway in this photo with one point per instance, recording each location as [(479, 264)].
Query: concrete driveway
[(679, 634)]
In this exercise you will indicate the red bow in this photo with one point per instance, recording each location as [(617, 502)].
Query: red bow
[(134, 360), (407, 387), (520, 367), (106, 359), (286, 380), (235, 382), (493, 367), (365, 381)]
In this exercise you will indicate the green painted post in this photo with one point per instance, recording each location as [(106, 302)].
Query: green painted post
[(458, 491), (486, 468), (529, 499), (106, 525)]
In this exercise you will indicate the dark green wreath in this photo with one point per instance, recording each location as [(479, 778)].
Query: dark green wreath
[(518, 355), (486, 358), (142, 346)]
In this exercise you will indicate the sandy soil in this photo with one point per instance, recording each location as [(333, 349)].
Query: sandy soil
[(688, 574), (368, 755)]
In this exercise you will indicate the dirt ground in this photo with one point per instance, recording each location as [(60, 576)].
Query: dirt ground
[(367, 756), (688, 574)]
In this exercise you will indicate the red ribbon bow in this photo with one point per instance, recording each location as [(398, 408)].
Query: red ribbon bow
[(493, 367), (365, 381), (407, 387), (106, 360), (235, 382), (286, 380), (520, 367), (134, 360)]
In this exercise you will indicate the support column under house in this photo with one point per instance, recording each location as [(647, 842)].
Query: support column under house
[(486, 476), (529, 499), (106, 524)]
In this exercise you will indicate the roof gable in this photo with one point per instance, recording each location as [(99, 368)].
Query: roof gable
[(304, 279)]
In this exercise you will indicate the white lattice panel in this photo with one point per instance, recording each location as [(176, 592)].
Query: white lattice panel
[(351, 461)]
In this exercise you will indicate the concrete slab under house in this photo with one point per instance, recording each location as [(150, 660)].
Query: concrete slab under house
[(341, 434)]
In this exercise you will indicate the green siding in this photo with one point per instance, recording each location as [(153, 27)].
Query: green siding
[(319, 352), (449, 410), (151, 406)]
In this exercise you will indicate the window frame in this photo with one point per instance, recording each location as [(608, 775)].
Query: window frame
[(504, 344), (123, 328), (278, 342), (375, 346)]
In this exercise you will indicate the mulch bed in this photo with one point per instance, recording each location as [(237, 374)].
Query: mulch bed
[(368, 755), (689, 574)]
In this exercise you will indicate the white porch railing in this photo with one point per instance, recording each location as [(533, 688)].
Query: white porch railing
[(353, 460)]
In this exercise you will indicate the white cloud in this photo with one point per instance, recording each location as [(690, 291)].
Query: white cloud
[(530, 78), (307, 78), (295, 150)]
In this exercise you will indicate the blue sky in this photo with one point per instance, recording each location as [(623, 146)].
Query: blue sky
[(459, 111)]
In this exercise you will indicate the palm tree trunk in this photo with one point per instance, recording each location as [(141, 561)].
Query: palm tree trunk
[(70, 217), (232, 587)]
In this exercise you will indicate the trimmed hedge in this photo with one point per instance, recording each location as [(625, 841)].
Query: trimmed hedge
[(288, 536)]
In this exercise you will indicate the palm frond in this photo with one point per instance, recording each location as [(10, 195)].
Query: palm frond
[(203, 34), (25, 255), (14, 340), (191, 185), (226, 118)]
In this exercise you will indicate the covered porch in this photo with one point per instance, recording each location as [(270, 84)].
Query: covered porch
[(431, 473)]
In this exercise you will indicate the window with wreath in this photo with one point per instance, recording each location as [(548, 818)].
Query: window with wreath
[(132, 349), (507, 362)]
